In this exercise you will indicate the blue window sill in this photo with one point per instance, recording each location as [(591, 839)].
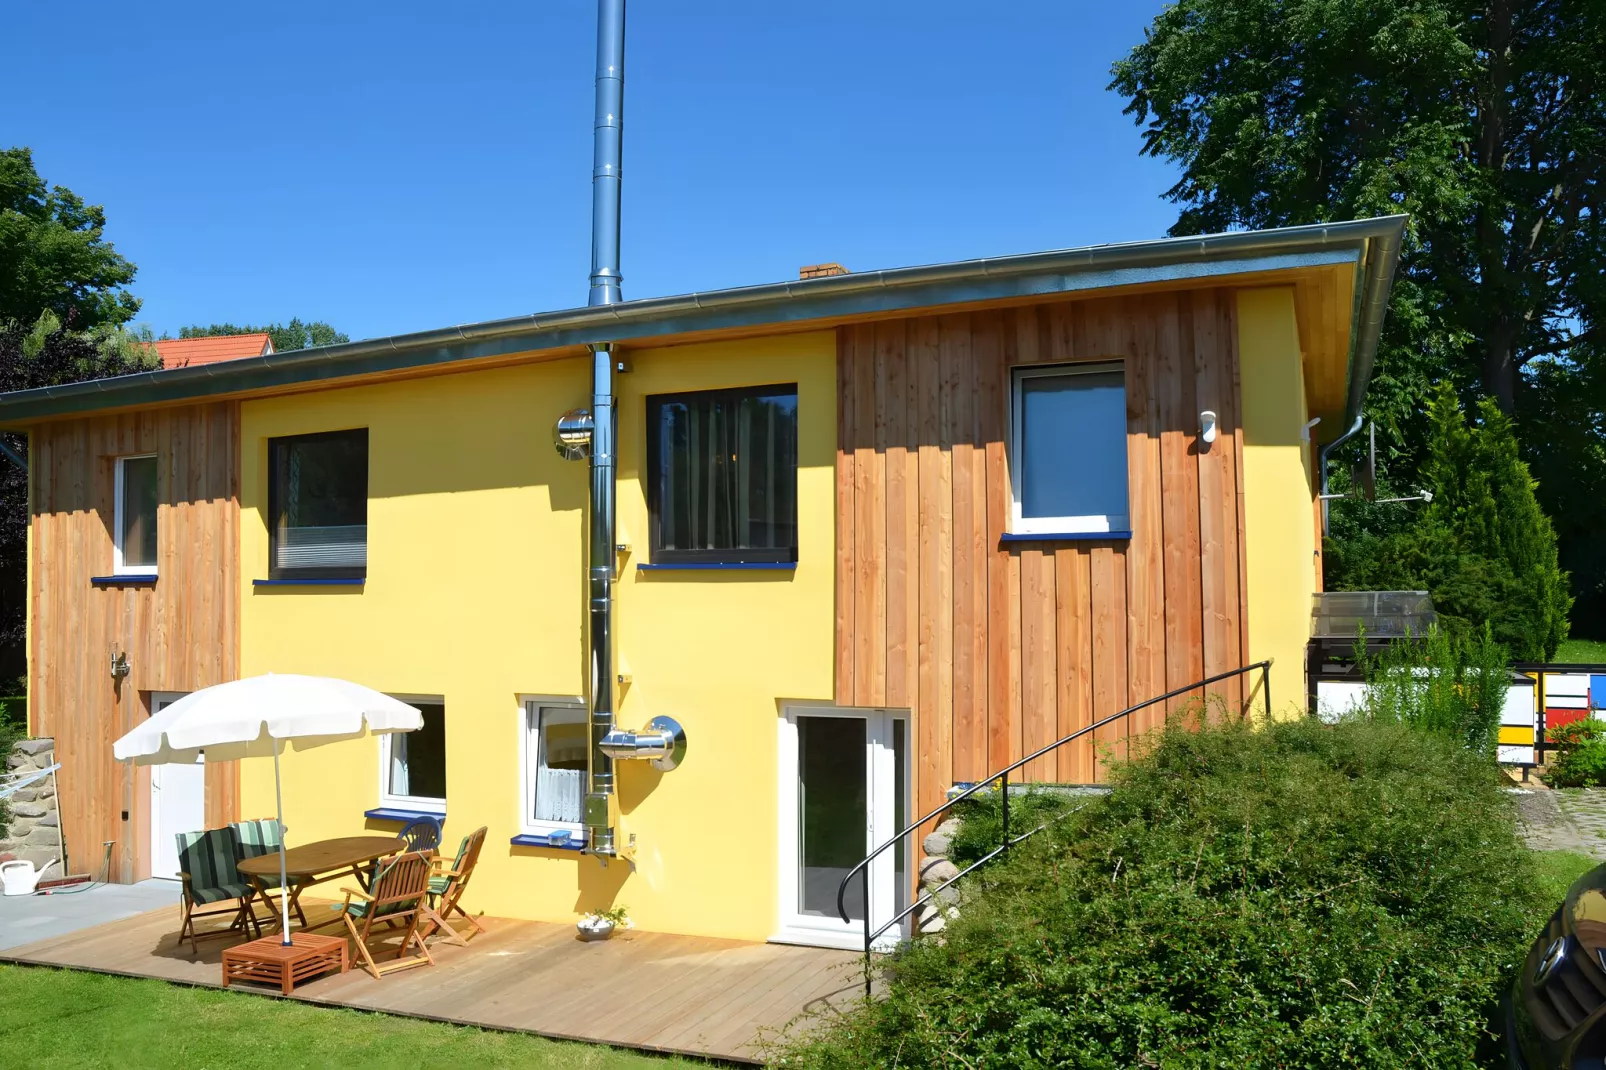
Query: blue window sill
[(326, 582), (1066, 536), (397, 813), (679, 566), (133, 579), (573, 843)]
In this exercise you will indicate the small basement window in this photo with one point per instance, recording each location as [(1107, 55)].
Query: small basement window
[(556, 741), (1068, 466), (723, 476), (134, 527), (412, 765), (318, 505)]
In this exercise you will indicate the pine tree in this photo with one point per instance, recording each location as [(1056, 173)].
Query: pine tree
[(1483, 547)]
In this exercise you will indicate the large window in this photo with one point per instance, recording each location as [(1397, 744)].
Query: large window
[(556, 740), (412, 765), (134, 526), (1068, 449), (318, 501), (723, 475)]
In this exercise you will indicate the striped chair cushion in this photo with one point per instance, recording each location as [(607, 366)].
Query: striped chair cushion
[(359, 909), (209, 858), (257, 837), (220, 893), (438, 886)]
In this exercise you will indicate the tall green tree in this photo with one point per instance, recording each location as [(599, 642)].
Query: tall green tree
[(1485, 120), (285, 336), (1564, 437), (1483, 547), (54, 256)]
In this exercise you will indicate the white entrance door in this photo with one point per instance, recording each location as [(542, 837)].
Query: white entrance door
[(178, 802), (844, 792)]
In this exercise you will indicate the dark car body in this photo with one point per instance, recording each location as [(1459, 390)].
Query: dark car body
[(1556, 1014)]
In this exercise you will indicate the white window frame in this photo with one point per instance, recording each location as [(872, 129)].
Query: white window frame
[(794, 926), (422, 803), (118, 567), (1091, 524), (528, 826)]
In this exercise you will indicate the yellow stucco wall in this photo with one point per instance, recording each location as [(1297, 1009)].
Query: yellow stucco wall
[(1280, 537), (475, 590)]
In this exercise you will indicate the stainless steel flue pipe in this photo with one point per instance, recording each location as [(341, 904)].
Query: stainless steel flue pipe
[(607, 152), (601, 805)]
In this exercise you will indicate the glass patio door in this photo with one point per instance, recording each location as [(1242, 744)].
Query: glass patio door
[(844, 788)]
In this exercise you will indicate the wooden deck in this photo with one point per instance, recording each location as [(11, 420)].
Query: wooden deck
[(719, 999)]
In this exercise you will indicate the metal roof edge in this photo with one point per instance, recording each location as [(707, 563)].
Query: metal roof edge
[(1373, 245)]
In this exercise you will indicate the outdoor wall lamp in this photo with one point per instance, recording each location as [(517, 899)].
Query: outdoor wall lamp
[(1208, 429)]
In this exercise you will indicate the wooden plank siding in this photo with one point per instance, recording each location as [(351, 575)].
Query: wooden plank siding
[(999, 648), (179, 634)]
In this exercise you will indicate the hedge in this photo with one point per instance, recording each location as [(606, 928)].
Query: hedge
[(1299, 896)]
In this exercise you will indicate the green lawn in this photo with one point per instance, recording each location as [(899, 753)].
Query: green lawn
[(1581, 652), (65, 1018), (1558, 870)]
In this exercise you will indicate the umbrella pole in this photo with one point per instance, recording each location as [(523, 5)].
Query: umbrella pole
[(284, 883)]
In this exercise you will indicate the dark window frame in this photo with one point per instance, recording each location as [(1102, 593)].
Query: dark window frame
[(312, 571), (655, 477)]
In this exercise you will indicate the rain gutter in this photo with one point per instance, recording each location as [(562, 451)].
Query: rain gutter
[(1372, 245)]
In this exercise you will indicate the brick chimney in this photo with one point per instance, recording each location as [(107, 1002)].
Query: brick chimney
[(820, 271)]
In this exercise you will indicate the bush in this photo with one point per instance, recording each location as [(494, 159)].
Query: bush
[(1580, 760), (1298, 896), (981, 818), (1449, 686)]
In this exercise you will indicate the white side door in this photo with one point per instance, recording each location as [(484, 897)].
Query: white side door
[(844, 777), (178, 802)]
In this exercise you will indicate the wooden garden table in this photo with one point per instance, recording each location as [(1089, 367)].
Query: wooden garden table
[(314, 863)]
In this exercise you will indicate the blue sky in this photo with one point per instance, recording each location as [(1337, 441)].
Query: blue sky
[(398, 167)]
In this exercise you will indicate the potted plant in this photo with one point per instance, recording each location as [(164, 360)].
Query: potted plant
[(600, 924)]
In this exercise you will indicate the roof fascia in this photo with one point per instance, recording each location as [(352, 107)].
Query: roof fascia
[(1371, 245)]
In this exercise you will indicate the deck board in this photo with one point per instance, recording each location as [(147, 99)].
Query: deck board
[(654, 991)]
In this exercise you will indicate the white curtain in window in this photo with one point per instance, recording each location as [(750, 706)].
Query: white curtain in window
[(559, 739), (398, 766), (558, 793)]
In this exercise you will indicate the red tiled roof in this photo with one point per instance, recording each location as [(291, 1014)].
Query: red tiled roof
[(182, 352)]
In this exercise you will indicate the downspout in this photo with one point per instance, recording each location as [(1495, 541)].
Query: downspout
[(601, 806), (1322, 456)]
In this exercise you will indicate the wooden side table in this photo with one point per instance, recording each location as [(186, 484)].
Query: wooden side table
[(268, 961)]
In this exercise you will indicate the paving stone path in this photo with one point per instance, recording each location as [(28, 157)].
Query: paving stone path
[(1572, 819)]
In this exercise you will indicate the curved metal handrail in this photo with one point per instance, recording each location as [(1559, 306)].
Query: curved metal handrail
[(1003, 775)]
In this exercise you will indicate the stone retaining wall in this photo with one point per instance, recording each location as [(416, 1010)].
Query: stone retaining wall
[(934, 870), (35, 825)]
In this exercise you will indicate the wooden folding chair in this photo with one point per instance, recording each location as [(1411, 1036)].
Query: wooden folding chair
[(446, 887), (398, 896), (259, 837), (207, 863)]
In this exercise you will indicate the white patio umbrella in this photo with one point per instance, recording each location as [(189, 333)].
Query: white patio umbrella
[(256, 717)]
